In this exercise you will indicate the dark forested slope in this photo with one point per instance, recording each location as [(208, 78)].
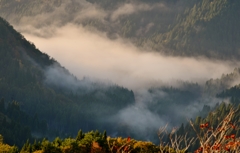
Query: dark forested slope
[(226, 81), (210, 28), (66, 104), (215, 121)]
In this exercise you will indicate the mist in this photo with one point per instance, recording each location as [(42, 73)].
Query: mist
[(92, 54), (109, 19)]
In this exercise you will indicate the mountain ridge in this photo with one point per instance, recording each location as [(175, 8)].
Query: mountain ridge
[(23, 78), (206, 28)]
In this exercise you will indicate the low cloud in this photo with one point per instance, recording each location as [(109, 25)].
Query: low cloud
[(45, 23), (142, 119), (93, 54), (57, 76), (131, 8), (81, 12)]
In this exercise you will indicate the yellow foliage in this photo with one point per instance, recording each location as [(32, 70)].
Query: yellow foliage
[(143, 145), (119, 140), (39, 151), (4, 148), (108, 138), (66, 149)]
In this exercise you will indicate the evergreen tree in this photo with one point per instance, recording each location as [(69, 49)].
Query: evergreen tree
[(198, 120), (96, 134), (104, 135), (25, 146), (80, 135)]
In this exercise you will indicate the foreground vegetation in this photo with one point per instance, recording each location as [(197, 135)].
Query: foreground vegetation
[(210, 135)]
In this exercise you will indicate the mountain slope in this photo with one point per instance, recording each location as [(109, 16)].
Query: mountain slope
[(215, 120), (226, 81), (209, 28), (26, 75), (233, 93), (198, 28)]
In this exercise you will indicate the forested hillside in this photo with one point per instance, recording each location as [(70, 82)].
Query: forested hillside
[(113, 17), (232, 93), (215, 127), (226, 81), (26, 76), (43, 102), (218, 132), (63, 104), (210, 28), (184, 28), (17, 126)]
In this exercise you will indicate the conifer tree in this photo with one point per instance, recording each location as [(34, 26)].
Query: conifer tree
[(104, 135), (96, 134), (25, 146), (80, 135)]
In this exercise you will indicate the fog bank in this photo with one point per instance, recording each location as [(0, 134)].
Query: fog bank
[(93, 54)]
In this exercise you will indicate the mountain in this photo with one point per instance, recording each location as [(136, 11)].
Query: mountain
[(232, 93), (226, 81), (209, 28), (17, 126), (109, 16), (44, 88), (214, 120), (64, 104), (206, 28), (41, 89)]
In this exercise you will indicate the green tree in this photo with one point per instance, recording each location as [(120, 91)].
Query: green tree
[(80, 135), (48, 147), (25, 146), (36, 146), (104, 135)]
